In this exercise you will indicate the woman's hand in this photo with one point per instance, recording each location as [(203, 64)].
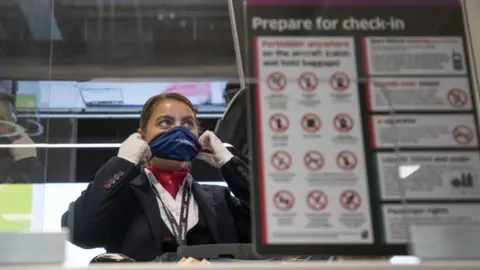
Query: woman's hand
[(220, 154), (134, 149)]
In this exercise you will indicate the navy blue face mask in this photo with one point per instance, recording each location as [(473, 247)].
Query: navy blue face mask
[(176, 144)]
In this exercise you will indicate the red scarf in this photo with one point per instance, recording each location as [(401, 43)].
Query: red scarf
[(171, 181)]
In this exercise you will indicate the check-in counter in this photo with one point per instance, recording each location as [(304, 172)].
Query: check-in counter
[(349, 265)]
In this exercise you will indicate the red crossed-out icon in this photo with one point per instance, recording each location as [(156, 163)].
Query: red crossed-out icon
[(346, 160), (277, 81), (283, 200), (343, 122), (457, 97), (281, 160), (279, 123), (317, 200), (308, 81), (462, 134), (314, 160), (340, 81), (350, 200)]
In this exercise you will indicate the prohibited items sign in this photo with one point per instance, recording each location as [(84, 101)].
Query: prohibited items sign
[(308, 81), (314, 160), (463, 134), (276, 81), (340, 81), (311, 122), (283, 200), (317, 200), (281, 160), (350, 200), (347, 160), (343, 122), (279, 123)]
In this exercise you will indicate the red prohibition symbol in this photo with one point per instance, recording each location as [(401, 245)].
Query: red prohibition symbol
[(350, 200), (276, 81), (457, 98), (317, 200), (314, 160), (340, 81), (343, 122), (279, 123), (308, 81), (462, 134), (311, 123), (283, 200), (281, 160), (347, 160)]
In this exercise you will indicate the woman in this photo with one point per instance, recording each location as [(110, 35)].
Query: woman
[(144, 211)]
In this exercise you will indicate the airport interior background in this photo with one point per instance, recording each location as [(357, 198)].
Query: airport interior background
[(81, 70)]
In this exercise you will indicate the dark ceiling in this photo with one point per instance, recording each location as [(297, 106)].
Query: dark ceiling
[(95, 38)]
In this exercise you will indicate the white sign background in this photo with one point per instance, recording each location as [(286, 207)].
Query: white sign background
[(393, 94), (426, 214), (433, 177), (423, 131), (415, 56), (327, 58)]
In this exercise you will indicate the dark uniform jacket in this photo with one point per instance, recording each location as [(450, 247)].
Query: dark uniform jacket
[(119, 212)]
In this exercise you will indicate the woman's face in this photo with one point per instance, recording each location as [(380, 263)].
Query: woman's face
[(167, 114)]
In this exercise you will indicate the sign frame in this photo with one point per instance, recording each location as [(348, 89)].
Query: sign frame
[(377, 248)]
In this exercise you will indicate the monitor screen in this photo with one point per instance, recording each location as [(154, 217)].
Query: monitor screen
[(102, 96), (114, 96)]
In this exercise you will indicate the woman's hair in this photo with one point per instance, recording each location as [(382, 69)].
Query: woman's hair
[(7, 102), (152, 102), (7, 97)]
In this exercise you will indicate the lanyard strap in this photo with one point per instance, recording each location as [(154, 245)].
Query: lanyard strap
[(179, 230)]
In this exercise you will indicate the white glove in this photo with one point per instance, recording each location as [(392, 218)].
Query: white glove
[(220, 155), (18, 152), (134, 149)]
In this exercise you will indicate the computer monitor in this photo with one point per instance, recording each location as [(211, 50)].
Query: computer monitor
[(102, 96), (114, 96)]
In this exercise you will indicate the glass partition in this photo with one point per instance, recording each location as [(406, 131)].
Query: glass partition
[(74, 77), (392, 109)]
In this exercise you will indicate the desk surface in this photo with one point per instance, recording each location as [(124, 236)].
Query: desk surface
[(239, 265)]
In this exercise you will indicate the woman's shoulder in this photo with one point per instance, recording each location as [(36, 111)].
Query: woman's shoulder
[(216, 190)]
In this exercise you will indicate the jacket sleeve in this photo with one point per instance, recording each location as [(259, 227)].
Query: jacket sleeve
[(236, 175), (99, 216), (27, 170)]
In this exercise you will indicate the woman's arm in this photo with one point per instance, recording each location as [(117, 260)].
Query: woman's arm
[(233, 170), (236, 174), (100, 216)]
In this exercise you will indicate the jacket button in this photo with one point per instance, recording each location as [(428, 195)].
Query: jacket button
[(111, 181), (116, 177), (108, 186), (121, 173)]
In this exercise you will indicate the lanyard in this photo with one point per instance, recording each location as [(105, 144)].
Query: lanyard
[(179, 230)]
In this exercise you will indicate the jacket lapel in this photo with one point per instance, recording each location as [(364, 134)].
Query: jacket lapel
[(149, 204), (204, 198)]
